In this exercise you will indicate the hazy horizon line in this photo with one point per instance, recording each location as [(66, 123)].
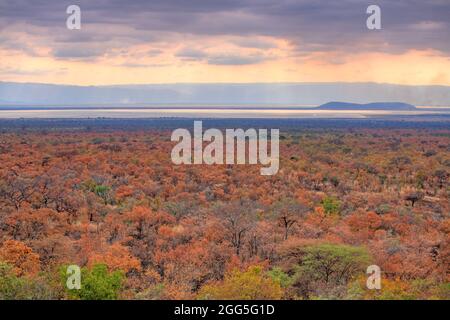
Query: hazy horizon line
[(228, 83)]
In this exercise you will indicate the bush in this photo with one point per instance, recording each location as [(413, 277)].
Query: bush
[(280, 277), (96, 283), (252, 284), (331, 205), (13, 287)]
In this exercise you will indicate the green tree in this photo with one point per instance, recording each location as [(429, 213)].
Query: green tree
[(97, 283), (331, 205), (326, 267), (13, 287), (281, 277)]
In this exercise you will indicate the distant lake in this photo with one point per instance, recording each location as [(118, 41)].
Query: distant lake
[(208, 113)]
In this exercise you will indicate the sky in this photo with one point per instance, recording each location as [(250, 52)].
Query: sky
[(227, 41)]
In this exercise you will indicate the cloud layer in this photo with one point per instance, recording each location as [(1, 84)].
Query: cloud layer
[(221, 33)]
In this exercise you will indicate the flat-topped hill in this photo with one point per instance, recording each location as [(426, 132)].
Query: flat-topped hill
[(392, 106)]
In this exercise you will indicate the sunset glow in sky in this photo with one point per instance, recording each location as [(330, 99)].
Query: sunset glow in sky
[(224, 41)]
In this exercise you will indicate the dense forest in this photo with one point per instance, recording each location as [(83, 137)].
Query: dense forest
[(140, 227)]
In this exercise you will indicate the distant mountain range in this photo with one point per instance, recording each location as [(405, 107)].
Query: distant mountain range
[(393, 106), (251, 94)]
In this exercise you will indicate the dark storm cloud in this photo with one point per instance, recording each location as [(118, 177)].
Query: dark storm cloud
[(308, 25)]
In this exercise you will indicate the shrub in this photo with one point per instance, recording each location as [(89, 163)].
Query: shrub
[(253, 284), (331, 205), (96, 283)]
